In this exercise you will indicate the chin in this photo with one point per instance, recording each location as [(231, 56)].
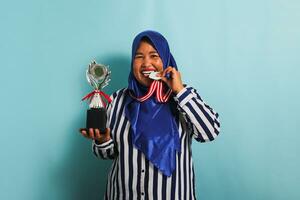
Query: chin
[(146, 83)]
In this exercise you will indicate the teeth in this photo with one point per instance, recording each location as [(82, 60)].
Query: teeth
[(147, 72)]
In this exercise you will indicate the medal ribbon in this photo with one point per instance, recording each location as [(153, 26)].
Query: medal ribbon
[(90, 95), (156, 86)]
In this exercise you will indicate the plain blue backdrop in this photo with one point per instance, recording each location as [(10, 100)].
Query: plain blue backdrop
[(241, 56)]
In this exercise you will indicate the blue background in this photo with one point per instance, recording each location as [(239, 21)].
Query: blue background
[(242, 57)]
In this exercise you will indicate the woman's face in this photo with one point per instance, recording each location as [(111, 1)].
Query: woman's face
[(146, 59)]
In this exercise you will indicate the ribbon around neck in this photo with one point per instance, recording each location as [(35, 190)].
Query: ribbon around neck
[(156, 86)]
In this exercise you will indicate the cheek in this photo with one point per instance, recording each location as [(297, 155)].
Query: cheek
[(159, 65), (136, 70), (136, 65)]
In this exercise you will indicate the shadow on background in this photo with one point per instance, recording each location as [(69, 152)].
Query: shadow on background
[(83, 176)]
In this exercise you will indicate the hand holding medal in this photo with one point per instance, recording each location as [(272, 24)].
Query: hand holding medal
[(171, 77)]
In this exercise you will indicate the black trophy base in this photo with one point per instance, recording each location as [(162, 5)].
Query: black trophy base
[(96, 118)]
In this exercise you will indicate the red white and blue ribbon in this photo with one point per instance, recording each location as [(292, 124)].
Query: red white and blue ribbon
[(157, 87)]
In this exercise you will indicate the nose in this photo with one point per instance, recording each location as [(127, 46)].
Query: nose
[(146, 62)]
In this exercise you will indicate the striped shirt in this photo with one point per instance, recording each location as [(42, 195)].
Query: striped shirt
[(131, 175)]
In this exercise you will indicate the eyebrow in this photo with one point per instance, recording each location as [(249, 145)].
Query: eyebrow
[(139, 53)]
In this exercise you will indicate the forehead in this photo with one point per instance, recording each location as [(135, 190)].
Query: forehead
[(145, 47)]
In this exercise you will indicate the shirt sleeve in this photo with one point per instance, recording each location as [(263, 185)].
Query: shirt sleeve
[(203, 120), (104, 150)]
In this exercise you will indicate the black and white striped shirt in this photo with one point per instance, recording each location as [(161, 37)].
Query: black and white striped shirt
[(131, 175)]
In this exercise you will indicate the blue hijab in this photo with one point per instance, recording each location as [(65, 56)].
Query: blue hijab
[(154, 130)]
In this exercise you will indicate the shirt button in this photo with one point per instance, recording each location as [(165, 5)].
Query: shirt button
[(142, 193), (143, 170)]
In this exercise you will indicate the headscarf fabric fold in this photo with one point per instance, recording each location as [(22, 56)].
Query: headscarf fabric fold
[(154, 130)]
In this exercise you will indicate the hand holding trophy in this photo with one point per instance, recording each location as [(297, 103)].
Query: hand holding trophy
[(98, 76)]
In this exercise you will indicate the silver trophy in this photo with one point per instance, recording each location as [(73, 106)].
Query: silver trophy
[(98, 76)]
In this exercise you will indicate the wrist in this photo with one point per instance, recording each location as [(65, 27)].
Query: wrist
[(103, 144), (178, 89)]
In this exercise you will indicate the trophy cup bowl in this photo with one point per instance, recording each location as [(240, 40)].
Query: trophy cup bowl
[(98, 76)]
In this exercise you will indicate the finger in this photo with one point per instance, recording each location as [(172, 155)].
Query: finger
[(82, 129), (167, 70), (169, 73), (107, 132), (84, 133), (91, 133), (164, 79), (175, 74), (97, 134), (167, 81), (179, 74)]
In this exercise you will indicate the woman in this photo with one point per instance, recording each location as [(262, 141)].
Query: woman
[(151, 126)]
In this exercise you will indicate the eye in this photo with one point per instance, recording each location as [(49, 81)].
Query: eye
[(154, 55), (138, 56)]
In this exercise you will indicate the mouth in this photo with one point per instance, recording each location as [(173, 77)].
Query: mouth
[(151, 75), (146, 72)]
